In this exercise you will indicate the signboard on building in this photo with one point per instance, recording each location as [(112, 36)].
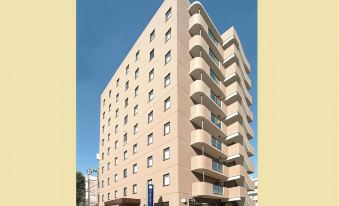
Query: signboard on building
[(150, 193)]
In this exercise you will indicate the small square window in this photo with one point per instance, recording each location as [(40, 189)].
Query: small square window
[(150, 117), (137, 55), (151, 75), (102, 170), (108, 151), (136, 109), (108, 166), (102, 142), (109, 107), (149, 182), (116, 194), (115, 177), (125, 191), (103, 115), (135, 168), (151, 55), (152, 36), (125, 137), (150, 139), (136, 91), (136, 129), (116, 162), (109, 93), (125, 155), (167, 103), (125, 119), (168, 57), (116, 128), (103, 128), (167, 128), (102, 156), (168, 14), (108, 181), (116, 144), (109, 137), (167, 80), (150, 95), (134, 189), (125, 173), (126, 85), (135, 148), (108, 196), (126, 102), (127, 69), (117, 83), (166, 153), (150, 161), (166, 180), (168, 35), (117, 98), (116, 113), (136, 74), (109, 122)]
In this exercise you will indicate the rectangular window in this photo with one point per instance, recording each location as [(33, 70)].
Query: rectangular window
[(102, 184), (151, 75), (168, 14), (214, 77), (116, 113), (108, 166), (109, 107), (125, 155), (151, 55), (108, 180), (116, 194), (125, 173), (103, 102), (136, 91), (136, 129), (116, 144), (213, 57), (134, 189), (212, 37), (103, 115), (125, 137), (125, 119), (135, 168), (166, 180), (150, 161), (150, 139), (168, 57), (216, 143), (109, 122), (136, 74), (168, 35), (152, 36), (102, 170), (167, 128), (126, 85), (116, 98), (167, 103), (216, 166), (127, 69), (215, 99), (115, 177), (166, 153), (215, 121), (217, 189), (167, 80), (135, 148), (103, 128), (117, 83), (150, 95), (102, 156), (116, 162), (137, 55), (109, 93), (125, 191), (116, 128), (102, 142), (108, 151), (109, 137), (136, 109), (102, 198), (149, 182), (126, 102), (150, 117)]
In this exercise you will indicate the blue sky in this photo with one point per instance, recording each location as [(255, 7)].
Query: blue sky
[(106, 32)]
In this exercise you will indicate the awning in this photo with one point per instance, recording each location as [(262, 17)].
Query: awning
[(123, 202)]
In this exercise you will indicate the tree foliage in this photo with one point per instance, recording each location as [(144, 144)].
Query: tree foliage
[(81, 189)]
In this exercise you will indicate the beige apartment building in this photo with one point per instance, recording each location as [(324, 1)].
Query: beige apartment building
[(176, 115)]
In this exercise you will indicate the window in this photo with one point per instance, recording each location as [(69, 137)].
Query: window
[(108, 151), (168, 35), (135, 129), (116, 194), (136, 91), (136, 109), (150, 161), (215, 99), (152, 35), (127, 69), (167, 103), (134, 189), (168, 14), (150, 139), (168, 57), (116, 144), (126, 85), (126, 102), (167, 128), (216, 166), (103, 115), (109, 93), (166, 153), (217, 189), (109, 122), (151, 75), (136, 74), (108, 196), (102, 170), (108, 180), (214, 77), (125, 155), (115, 177), (116, 128), (125, 119), (167, 80), (109, 137), (137, 55), (108, 166), (117, 83), (212, 37), (116, 113), (102, 198), (166, 180), (102, 184), (102, 156), (151, 55), (149, 182), (150, 95), (103, 102), (215, 121), (125, 191), (135, 168), (103, 128), (102, 142), (116, 162), (213, 57), (125, 173), (150, 117), (109, 107), (116, 98), (135, 148), (125, 137)]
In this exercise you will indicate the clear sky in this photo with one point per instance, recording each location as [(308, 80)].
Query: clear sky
[(106, 31)]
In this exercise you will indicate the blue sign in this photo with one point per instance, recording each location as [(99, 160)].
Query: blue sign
[(150, 193)]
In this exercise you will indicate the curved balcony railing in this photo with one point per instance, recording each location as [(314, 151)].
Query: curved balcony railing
[(236, 89), (206, 166), (237, 134), (238, 154), (239, 174), (234, 73)]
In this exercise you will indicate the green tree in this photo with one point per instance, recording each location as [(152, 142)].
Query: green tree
[(81, 189)]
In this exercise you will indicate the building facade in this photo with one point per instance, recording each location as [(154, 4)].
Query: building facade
[(176, 115), (254, 193), (91, 185)]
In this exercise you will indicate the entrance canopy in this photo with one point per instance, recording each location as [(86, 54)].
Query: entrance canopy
[(123, 202)]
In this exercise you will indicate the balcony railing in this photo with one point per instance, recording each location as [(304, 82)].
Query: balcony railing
[(212, 37), (216, 143), (213, 57), (216, 166), (215, 99), (217, 189), (214, 77), (215, 121)]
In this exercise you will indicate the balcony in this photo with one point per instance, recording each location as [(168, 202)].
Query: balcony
[(204, 165), (236, 112), (201, 117), (199, 69), (236, 194), (234, 92), (238, 154), (237, 134), (239, 174), (202, 140), (233, 73), (232, 54)]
